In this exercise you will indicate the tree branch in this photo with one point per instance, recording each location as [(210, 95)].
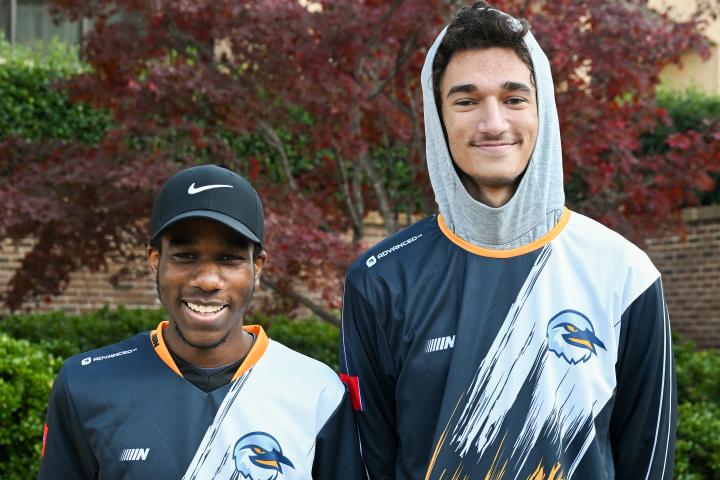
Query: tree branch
[(378, 185), (296, 296), (354, 212), (402, 56), (272, 139)]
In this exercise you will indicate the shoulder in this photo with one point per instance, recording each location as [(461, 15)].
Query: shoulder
[(295, 368), (592, 236), (304, 384), (399, 250), (609, 259), (107, 361)]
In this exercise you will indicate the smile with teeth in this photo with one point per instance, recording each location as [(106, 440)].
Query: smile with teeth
[(204, 309)]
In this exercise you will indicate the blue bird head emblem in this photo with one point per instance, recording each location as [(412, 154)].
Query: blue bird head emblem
[(258, 456), (572, 337)]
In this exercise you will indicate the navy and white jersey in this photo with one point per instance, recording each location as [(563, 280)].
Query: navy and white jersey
[(548, 361), (125, 412)]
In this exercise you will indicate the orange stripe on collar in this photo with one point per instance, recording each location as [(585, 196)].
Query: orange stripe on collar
[(512, 252), (158, 343), (256, 351)]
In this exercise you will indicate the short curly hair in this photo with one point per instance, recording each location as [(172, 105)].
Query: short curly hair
[(480, 26)]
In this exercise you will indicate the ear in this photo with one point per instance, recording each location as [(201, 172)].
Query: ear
[(260, 258), (153, 258)]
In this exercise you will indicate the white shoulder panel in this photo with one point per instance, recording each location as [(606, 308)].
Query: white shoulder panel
[(609, 255)]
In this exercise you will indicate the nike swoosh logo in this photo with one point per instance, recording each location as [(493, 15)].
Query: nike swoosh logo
[(192, 190)]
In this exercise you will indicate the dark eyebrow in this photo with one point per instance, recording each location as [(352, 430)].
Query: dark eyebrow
[(237, 241), (470, 88), (513, 86), (180, 240), (466, 88)]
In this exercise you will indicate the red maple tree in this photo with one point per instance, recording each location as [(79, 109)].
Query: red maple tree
[(185, 79)]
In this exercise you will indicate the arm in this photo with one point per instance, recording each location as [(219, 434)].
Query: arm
[(66, 451), (337, 449), (642, 427), (367, 364)]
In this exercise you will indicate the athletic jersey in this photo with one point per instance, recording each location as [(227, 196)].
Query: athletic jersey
[(125, 412), (549, 361)]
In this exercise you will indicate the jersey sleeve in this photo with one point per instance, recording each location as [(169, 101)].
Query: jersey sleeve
[(368, 370), (642, 426), (66, 451), (337, 448)]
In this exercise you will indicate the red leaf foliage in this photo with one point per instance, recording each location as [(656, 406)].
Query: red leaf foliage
[(183, 77)]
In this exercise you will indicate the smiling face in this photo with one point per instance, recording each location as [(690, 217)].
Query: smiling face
[(206, 277), (489, 111)]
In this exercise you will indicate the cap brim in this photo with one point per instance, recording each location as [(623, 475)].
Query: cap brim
[(212, 215)]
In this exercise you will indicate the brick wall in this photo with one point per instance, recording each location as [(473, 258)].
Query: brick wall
[(690, 265), (87, 291)]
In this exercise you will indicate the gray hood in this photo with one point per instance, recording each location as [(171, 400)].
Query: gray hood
[(537, 204)]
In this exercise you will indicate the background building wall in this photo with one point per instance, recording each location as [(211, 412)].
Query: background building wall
[(690, 268), (694, 71)]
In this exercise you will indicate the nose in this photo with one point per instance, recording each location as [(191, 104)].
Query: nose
[(207, 277), (492, 120)]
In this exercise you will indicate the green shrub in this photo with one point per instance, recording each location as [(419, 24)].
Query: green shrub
[(26, 374), (697, 373), (29, 105), (689, 109), (697, 450), (66, 335)]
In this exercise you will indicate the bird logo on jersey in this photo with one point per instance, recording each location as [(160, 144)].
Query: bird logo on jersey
[(258, 456), (572, 337)]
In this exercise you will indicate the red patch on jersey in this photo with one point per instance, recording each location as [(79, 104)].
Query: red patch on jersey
[(353, 384), (45, 430)]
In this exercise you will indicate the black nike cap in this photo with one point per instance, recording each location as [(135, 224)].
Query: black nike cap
[(213, 192)]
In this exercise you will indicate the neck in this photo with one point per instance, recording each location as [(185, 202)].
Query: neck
[(232, 348), (494, 197)]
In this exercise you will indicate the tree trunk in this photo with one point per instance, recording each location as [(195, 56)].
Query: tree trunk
[(296, 296), (378, 184), (274, 141), (350, 200)]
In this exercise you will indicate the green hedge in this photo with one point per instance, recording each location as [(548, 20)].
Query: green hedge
[(697, 451), (29, 105), (26, 375), (27, 367), (65, 335)]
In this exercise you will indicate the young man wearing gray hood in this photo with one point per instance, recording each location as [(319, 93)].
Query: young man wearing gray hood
[(506, 336)]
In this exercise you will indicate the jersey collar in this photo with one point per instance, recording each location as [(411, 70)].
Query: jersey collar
[(253, 356)]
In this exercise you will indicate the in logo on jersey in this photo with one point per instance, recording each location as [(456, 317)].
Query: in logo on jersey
[(259, 456), (571, 336), (134, 454), (440, 343)]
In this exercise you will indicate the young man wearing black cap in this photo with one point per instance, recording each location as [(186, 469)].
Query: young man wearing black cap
[(202, 396)]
